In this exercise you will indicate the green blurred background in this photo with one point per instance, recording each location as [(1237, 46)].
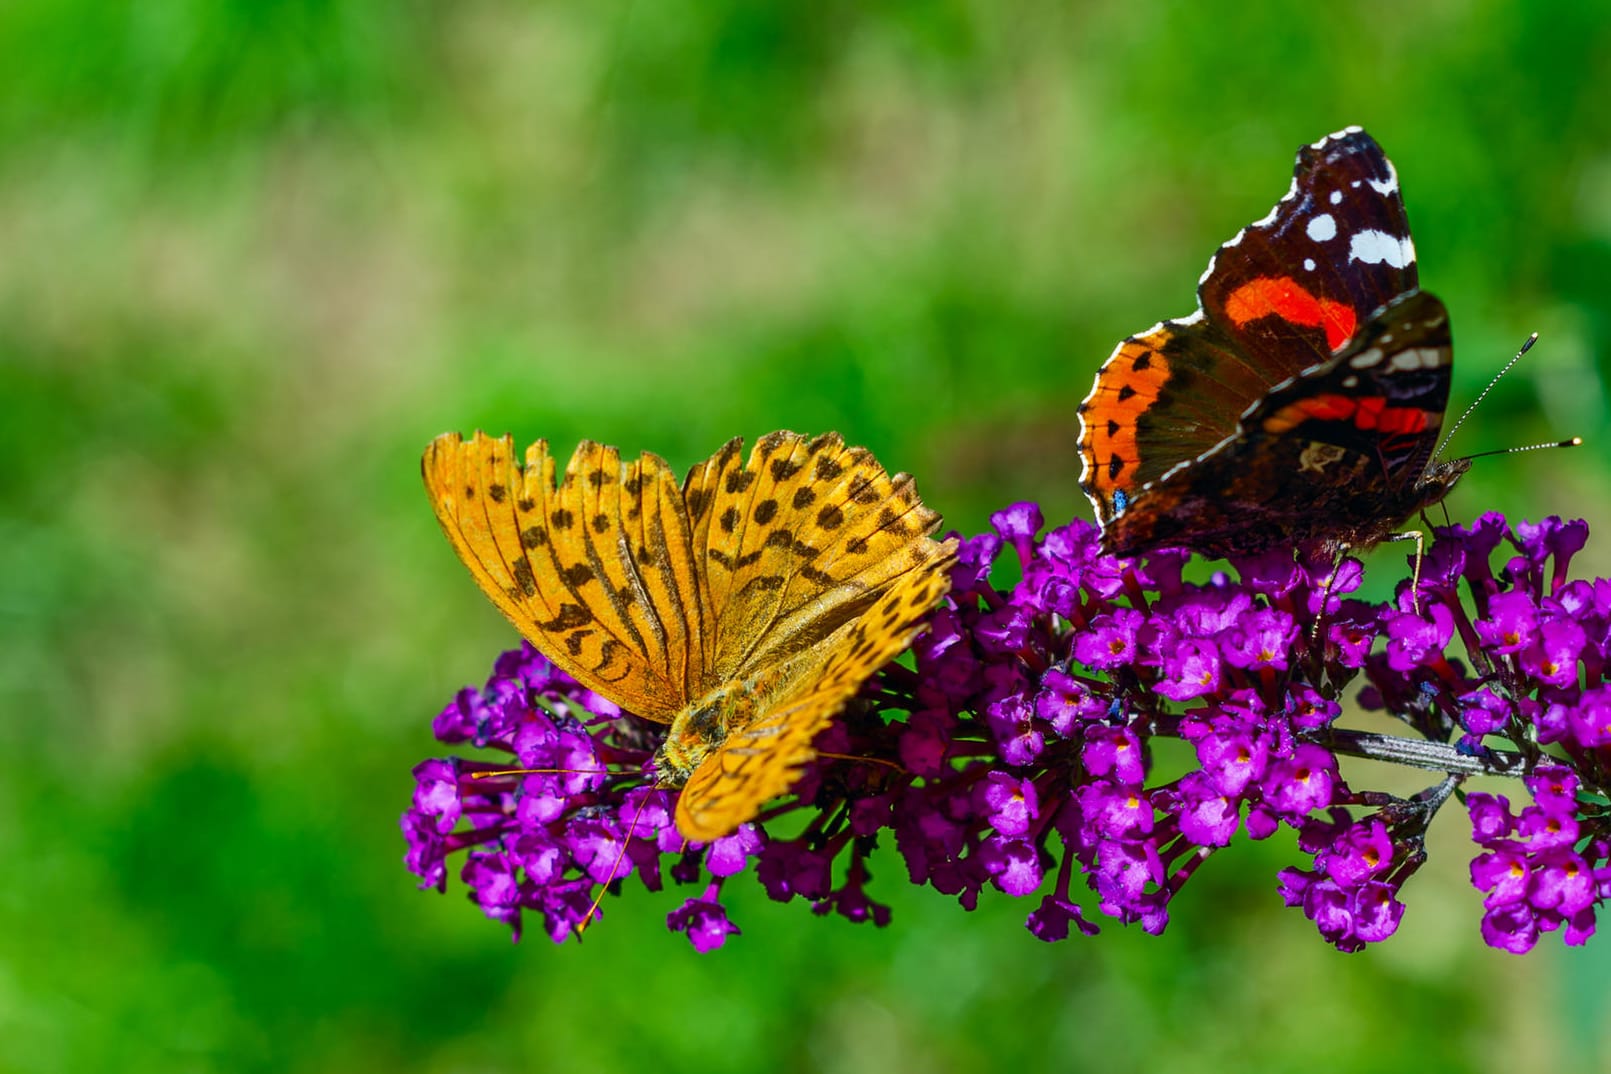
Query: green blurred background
[(256, 254)]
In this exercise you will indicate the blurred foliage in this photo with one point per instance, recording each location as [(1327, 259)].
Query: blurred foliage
[(258, 252)]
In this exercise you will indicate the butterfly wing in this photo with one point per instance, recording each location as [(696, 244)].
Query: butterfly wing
[(1296, 286), (797, 573), (597, 571), (1168, 394), (797, 542), (762, 760), (1280, 297)]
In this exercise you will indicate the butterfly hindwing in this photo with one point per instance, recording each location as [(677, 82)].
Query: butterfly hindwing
[(1162, 396), (761, 760)]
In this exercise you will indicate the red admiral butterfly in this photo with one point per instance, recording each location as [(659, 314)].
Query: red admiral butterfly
[(1302, 400)]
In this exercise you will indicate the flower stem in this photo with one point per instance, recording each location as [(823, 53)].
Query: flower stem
[(1418, 753)]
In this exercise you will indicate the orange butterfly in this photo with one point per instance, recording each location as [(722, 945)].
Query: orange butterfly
[(745, 609)]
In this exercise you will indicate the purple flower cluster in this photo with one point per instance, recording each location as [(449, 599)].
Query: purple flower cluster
[(1537, 870), (1064, 685), (1023, 751), (542, 841), (545, 841)]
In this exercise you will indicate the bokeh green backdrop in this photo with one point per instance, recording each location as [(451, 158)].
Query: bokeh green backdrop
[(253, 255)]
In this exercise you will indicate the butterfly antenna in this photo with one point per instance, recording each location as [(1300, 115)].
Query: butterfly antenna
[(1525, 347), (1576, 441), (869, 760), (497, 772), (593, 910)]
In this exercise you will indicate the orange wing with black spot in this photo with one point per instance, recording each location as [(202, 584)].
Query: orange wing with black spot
[(1170, 394), (761, 760), (596, 571)]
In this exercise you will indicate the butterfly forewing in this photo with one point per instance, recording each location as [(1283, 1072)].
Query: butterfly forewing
[(797, 542), (636, 539), (747, 516), (560, 564), (762, 759), (659, 531), (1295, 286)]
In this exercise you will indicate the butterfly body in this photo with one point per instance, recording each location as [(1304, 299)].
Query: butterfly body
[(701, 729), (744, 608), (1304, 398)]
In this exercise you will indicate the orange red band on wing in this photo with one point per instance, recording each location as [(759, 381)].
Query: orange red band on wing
[(1369, 413), (1286, 298), (1129, 385)]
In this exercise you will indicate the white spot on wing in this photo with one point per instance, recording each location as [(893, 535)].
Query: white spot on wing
[(1336, 197), (1194, 317), (1366, 359), (1322, 227), (1416, 358), (1387, 186), (1380, 248), (1309, 264)]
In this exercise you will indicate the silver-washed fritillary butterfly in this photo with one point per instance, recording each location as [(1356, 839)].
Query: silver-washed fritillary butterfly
[(745, 608)]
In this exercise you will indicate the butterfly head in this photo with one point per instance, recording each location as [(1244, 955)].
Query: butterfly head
[(1437, 480)]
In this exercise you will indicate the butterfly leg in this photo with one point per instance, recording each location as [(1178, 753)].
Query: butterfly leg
[(1415, 574), (1325, 594)]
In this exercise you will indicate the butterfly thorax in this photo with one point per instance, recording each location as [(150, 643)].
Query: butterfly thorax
[(1395, 509), (700, 729), (1437, 481)]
